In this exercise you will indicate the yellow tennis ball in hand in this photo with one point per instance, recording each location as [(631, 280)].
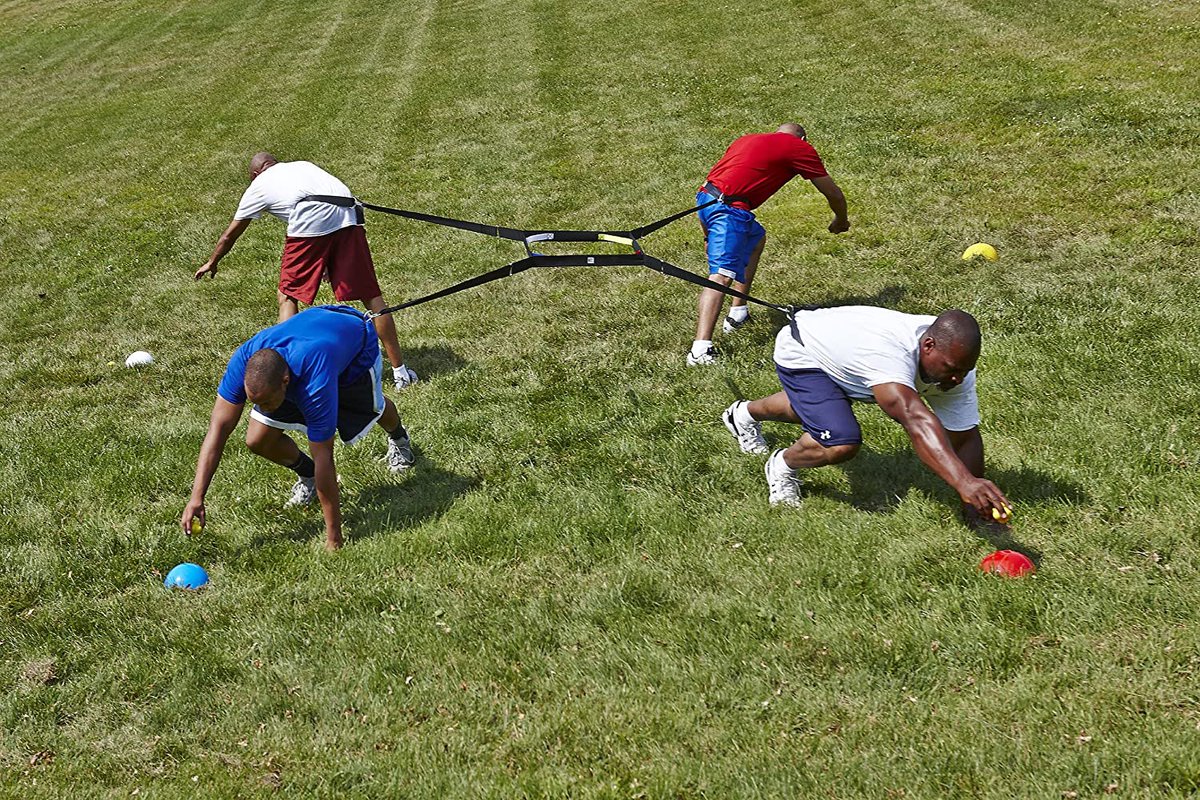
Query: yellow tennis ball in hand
[(196, 526), (980, 250)]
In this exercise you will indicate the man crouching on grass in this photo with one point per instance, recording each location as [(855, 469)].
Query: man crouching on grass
[(316, 372), (919, 369)]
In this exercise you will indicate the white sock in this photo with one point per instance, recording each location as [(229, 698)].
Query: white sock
[(700, 346), (739, 313), (783, 464), (741, 414), (400, 371)]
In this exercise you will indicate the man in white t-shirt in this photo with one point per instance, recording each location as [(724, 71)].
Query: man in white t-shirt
[(919, 369), (324, 241)]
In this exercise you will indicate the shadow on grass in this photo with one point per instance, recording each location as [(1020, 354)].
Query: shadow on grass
[(877, 480), (429, 362), (422, 494), (394, 502)]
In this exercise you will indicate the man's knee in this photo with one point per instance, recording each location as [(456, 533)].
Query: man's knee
[(837, 453), (259, 438)]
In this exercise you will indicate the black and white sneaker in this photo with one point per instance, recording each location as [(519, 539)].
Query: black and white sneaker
[(304, 491), (730, 324), (749, 437), (709, 356), (782, 483)]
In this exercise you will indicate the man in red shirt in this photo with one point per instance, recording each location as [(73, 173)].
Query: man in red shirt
[(752, 169)]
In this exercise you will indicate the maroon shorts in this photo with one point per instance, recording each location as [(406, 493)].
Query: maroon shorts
[(342, 256)]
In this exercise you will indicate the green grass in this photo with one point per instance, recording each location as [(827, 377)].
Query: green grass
[(582, 591)]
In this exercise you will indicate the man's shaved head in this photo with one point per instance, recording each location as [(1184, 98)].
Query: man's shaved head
[(956, 329), (794, 128), (266, 378), (259, 162), (949, 349)]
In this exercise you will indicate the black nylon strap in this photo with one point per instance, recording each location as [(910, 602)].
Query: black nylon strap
[(667, 268), (500, 231), (470, 283), (636, 258), (603, 260), (344, 202), (638, 233), (712, 190), (486, 230)]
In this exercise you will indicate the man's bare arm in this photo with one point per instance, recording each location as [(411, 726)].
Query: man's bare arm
[(224, 419), (933, 446), (837, 203), (224, 245), (327, 491)]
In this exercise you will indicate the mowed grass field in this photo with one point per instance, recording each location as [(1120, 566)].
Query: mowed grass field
[(581, 590)]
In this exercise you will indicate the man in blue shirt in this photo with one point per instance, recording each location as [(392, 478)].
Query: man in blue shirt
[(318, 372)]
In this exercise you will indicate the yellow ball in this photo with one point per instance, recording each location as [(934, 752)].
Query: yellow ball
[(196, 526), (980, 250)]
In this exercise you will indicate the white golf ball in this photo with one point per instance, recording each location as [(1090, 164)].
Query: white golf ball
[(139, 358)]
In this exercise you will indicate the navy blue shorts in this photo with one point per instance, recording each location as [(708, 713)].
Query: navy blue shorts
[(823, 408)]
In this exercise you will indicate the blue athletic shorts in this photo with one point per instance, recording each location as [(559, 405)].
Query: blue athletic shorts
[(823, 408), (732, 234)]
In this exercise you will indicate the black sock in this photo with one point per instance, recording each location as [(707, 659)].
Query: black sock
[(303, 466), (399, 434)]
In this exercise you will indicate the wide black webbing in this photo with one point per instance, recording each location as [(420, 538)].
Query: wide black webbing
[(638, 233), (476, 227), (503, 232), (533, 260), (603, 260), (666, 268)]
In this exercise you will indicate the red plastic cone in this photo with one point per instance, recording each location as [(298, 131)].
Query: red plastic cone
[(1008, 563)]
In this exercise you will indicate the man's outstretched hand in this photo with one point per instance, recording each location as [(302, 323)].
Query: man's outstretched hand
[(209, 268)]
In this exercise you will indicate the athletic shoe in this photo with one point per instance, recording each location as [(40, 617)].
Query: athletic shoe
[(403, 377), (749, 437), (730, 325), (304, 491), (709, 356), (399, 455), (782, 482)]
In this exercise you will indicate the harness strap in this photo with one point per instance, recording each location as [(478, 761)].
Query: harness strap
[(534, 260)]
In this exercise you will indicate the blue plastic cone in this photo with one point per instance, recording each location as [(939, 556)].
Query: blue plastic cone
[(187, 576)]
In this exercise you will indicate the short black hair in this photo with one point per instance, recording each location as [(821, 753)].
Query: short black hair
[(264, 371), (956, 328)]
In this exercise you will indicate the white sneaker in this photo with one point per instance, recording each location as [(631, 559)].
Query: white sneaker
[(730, 324), (403, 377), (749, 437), (304, 491), (782, 482), (709, 356), (399, 455)]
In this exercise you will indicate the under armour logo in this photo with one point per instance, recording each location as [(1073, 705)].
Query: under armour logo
[(825, 434)]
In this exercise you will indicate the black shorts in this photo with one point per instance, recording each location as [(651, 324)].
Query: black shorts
[(360, 405)]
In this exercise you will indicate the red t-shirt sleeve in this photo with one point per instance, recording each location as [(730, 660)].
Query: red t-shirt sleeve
[(806, 162)]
